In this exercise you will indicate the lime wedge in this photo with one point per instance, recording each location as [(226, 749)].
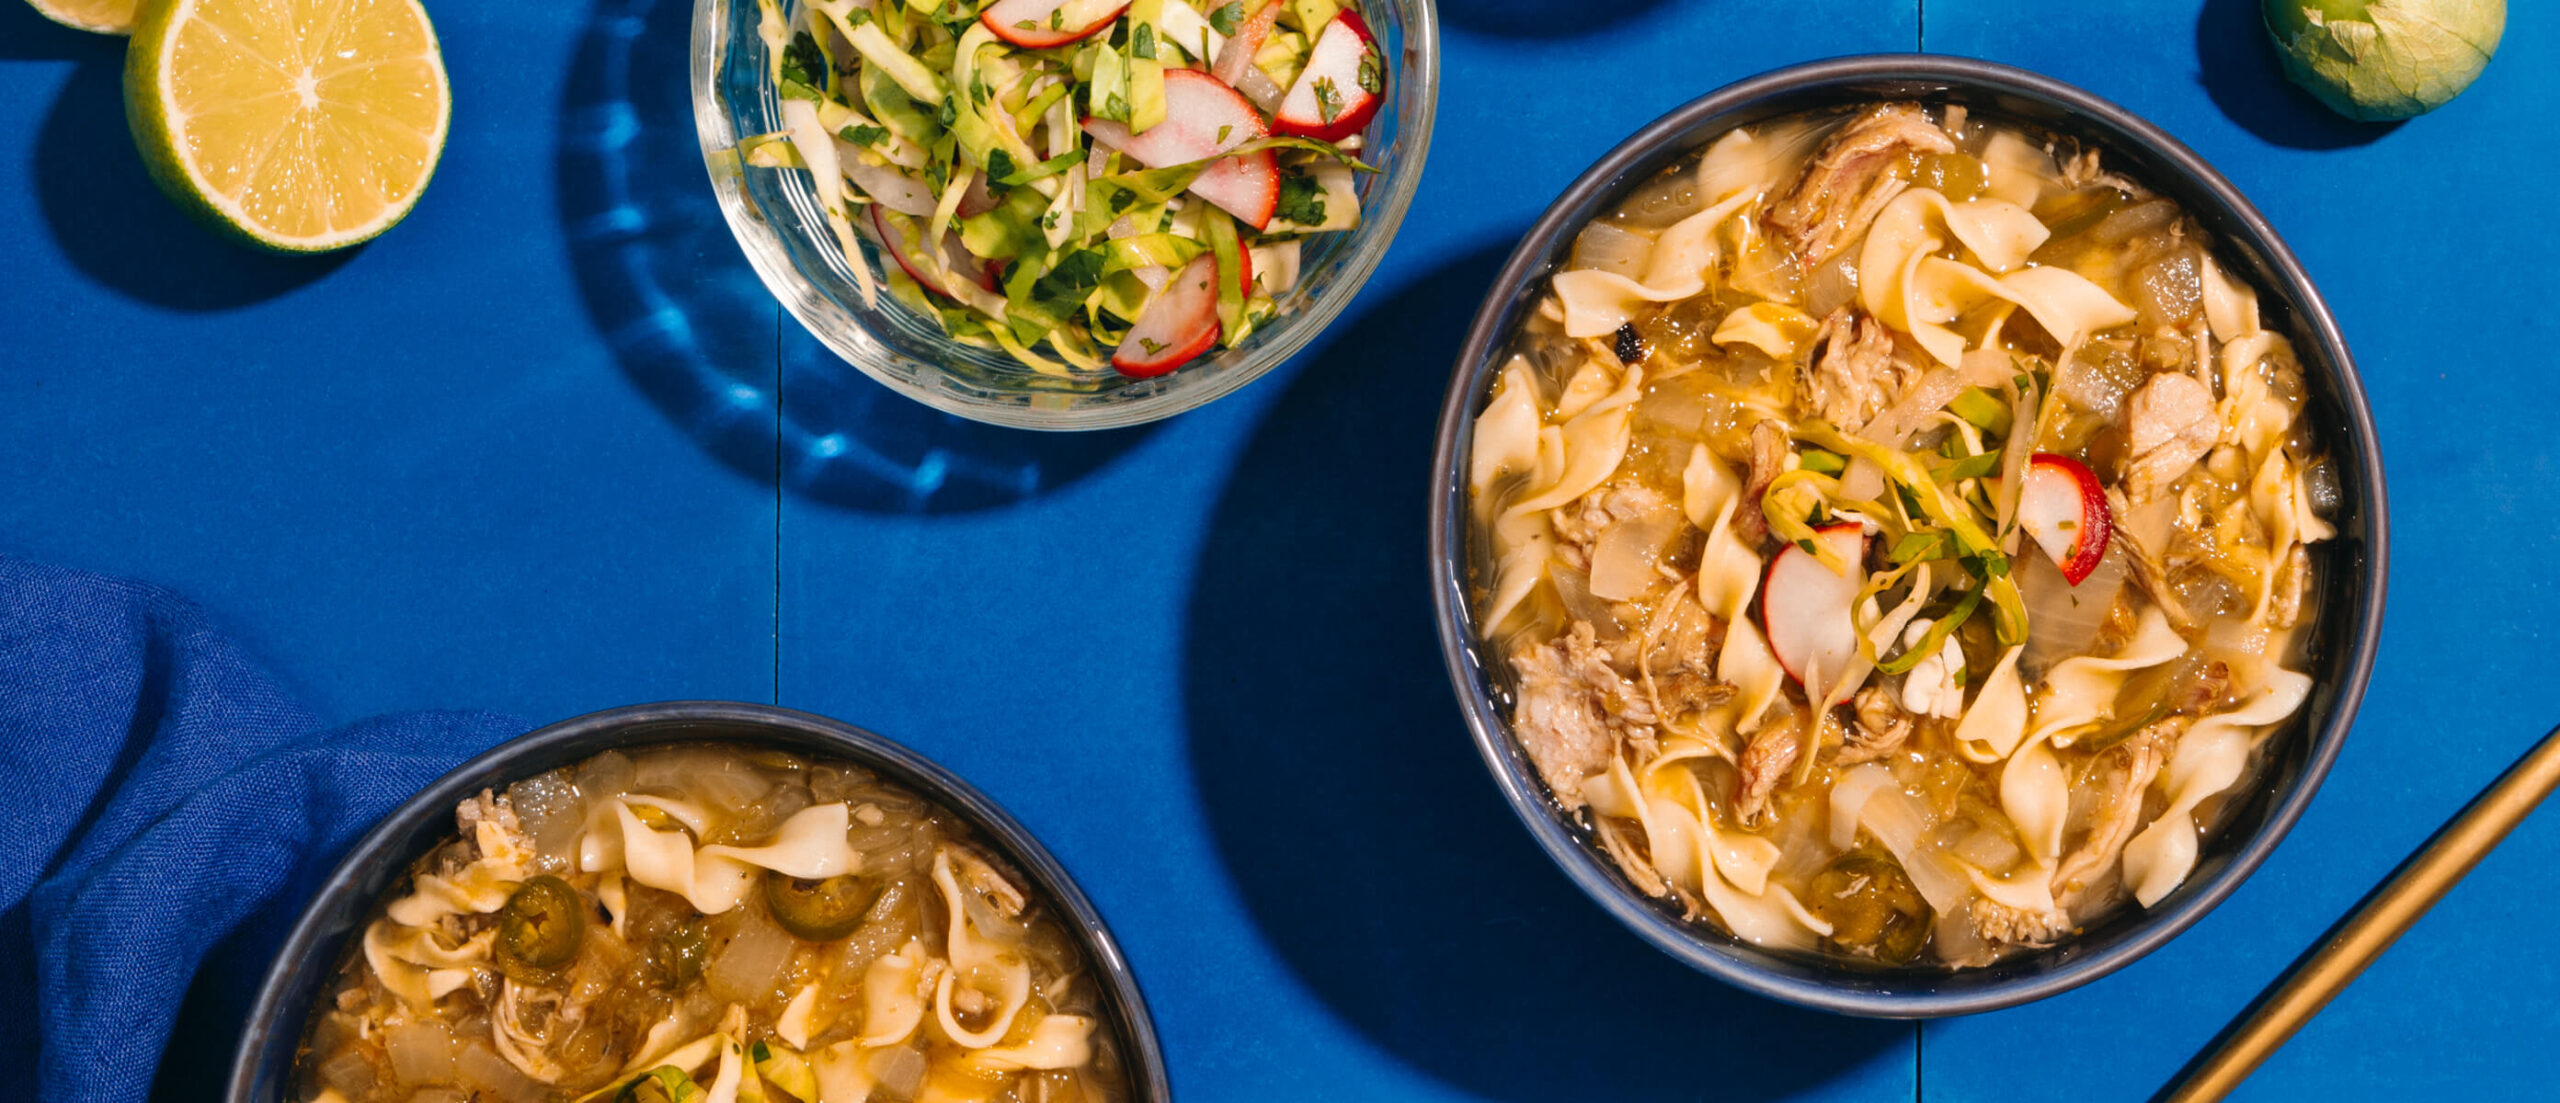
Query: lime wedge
[(298, 127), (102, 16)]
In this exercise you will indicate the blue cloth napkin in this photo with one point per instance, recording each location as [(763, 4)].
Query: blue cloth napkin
[(165, 811)]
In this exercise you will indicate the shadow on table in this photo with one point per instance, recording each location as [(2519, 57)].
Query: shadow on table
[(2245, 78), (107, 216), (1543, 18), (668, 289), (1350, 807)]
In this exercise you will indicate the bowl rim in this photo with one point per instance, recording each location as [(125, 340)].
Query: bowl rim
[(1826, 990), (762, 240), (312, 945)]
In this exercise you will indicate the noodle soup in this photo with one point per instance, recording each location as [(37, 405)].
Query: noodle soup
[(1895, 531), (714, 923)]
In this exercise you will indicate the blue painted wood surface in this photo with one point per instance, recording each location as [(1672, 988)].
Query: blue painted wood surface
[(548, 447)]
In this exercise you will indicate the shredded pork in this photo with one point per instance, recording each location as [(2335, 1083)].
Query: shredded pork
[(1579, 523), (1856, 375), (1769, 757), (1768, 461), (1846, 184), (2170, 424), (1882, 728), (2126, 773), (1573, 705)]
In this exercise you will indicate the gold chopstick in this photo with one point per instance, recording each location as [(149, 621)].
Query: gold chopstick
[(2372, 927)]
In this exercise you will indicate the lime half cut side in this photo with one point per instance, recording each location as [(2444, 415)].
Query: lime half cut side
[(102, 16), (297, 125)]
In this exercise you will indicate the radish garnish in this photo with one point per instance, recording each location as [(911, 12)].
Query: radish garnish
[(1339, 91), (2065, 509), (1179, 322), (1806, 609), (1202, 119), (1246, 185), (1237, 55), (1040, 24)]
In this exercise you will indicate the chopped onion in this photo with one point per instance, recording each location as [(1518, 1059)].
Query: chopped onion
[(1623, 558), (1574, 590), (899, 1071), (1986, 848), (1832, 286), (1849, 797), (1899, 821), (1893, 428), (2232, 635), (349, 1073), (481, 1067), (421, 1052), (2063, 619), (750, 967), (1606, 247)]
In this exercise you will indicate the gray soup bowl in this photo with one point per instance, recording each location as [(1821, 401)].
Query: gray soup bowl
[(261, 1071), (2350, 587)]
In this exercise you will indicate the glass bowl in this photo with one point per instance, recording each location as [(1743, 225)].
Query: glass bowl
[(774, 213), (2343, 644)]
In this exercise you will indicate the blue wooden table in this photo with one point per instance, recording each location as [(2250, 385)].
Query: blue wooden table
[(548, 447)]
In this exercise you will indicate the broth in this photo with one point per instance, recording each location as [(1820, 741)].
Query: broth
[(713, 923), (1897, 532)]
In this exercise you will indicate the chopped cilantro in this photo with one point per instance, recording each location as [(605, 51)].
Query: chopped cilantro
[(1114, 107), (999, 165), (864, 135), (1142, 42), (1223, 132), (857, 17), (1224, 19), (804, 63), (1025, 25), (1328, 99), (1373, 73), (1058, 18), (1152, 345), (1121, 201), (1301, 200), (949, 113)]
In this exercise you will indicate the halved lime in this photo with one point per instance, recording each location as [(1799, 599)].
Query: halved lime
[(298, 127), (102, 16)]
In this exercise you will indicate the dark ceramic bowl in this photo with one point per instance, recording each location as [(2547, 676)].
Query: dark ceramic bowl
[(2351, 580), (311, 953)]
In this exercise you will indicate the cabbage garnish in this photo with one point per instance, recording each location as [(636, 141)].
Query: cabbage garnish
[(2382, 60), (1031, 162)]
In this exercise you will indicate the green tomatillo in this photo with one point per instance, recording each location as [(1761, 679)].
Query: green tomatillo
[(2381, 60)]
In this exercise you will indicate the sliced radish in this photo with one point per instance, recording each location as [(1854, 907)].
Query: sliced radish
[(1246, 185), (1179, 322), (2065, 509), (1040, 24), (1246, 42), (955, 257), (1806, 609), (1202, 119), (1330, 102)]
